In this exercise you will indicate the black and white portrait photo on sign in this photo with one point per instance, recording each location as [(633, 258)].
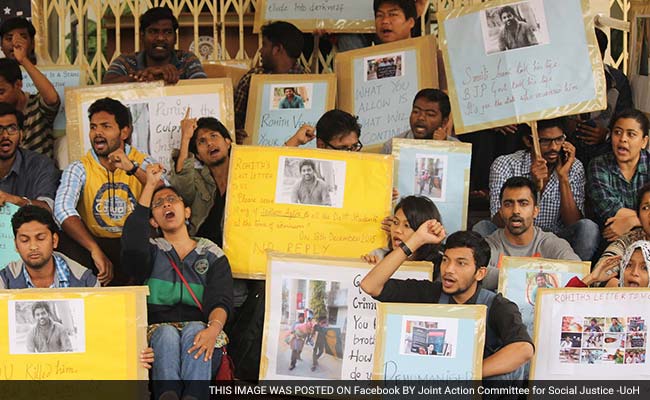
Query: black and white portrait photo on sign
[(56, 326), (514, 26), (384, 66), (310, 181)]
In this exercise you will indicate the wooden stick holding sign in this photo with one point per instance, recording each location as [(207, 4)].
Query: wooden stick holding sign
[(537, 153)]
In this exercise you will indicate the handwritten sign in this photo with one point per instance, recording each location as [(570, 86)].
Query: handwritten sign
[(156, 112), (498, 78), (327, 289), (303, 201), (429, 342), (439, 170), (379, 84), (274, 118), (107, 324), (309, 15), (591, 333), (61, 77), (7, 248)]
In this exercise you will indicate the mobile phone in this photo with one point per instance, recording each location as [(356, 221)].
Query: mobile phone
[(563, 155)]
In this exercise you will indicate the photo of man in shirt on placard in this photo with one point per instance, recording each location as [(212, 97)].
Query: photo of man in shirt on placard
[(514, 26), (310, 182), (46, 326)]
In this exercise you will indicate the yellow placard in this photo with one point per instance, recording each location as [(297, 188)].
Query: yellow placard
[(105, 330), (262, 213)]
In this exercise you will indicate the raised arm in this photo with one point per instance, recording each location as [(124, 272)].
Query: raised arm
[(42, 84), (430, 232)]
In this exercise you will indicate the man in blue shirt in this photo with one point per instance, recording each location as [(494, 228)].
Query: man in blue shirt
[(40, 266)]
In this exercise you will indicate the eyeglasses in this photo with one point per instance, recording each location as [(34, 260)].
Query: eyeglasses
[(558, 140), (355, 147), (10, 129), (171, 199)]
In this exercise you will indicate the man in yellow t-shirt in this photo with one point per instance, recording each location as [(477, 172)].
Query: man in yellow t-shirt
[(99, 191)]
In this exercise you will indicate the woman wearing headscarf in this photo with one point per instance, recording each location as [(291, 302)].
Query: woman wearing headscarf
[(633, 268)]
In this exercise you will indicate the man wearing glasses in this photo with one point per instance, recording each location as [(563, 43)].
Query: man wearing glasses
[(561, 180), (26, 177), (335, 130), (158, 60)]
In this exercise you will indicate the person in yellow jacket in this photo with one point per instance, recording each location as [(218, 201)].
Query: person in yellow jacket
[(99, 191)]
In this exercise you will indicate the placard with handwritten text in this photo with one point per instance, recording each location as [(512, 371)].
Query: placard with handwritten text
[(95, 323), (61, 77), (278, 105), (321, 295), (591, 333), (379, 84), (509, 62), (303, 201), (310, 15), (156, 112)]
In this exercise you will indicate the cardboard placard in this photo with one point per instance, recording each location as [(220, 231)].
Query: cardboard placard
[(591, 334), (328, 288), (379, 84), (7, 247), (429, 342), (272, 118), (439, 170), (520, 279), (91, 324), (639, 71), (61, 77), (156, 110), (310, 15), (549, 68), (270, 205)]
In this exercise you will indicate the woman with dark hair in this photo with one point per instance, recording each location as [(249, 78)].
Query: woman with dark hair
[(190, 286), (615, 178), (409, 214)]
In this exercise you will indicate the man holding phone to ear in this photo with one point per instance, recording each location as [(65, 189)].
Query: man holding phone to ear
[(562, 179)]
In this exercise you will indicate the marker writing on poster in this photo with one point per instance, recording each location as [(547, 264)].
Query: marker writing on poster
[(363, 313), (392, 372), (601, 297), (315, 9), (384, 108), (272, 120), (484, 90), (39, 371)]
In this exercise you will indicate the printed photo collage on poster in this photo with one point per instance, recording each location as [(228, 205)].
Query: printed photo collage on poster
[(603, 340)]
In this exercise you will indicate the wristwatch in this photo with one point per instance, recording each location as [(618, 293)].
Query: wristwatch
[(406, 249), (134, 169)]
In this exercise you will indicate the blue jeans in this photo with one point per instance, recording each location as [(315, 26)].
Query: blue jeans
[(583, 236), (177, 371)]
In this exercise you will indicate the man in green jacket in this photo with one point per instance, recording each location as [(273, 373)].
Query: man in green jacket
[(203, 184)]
